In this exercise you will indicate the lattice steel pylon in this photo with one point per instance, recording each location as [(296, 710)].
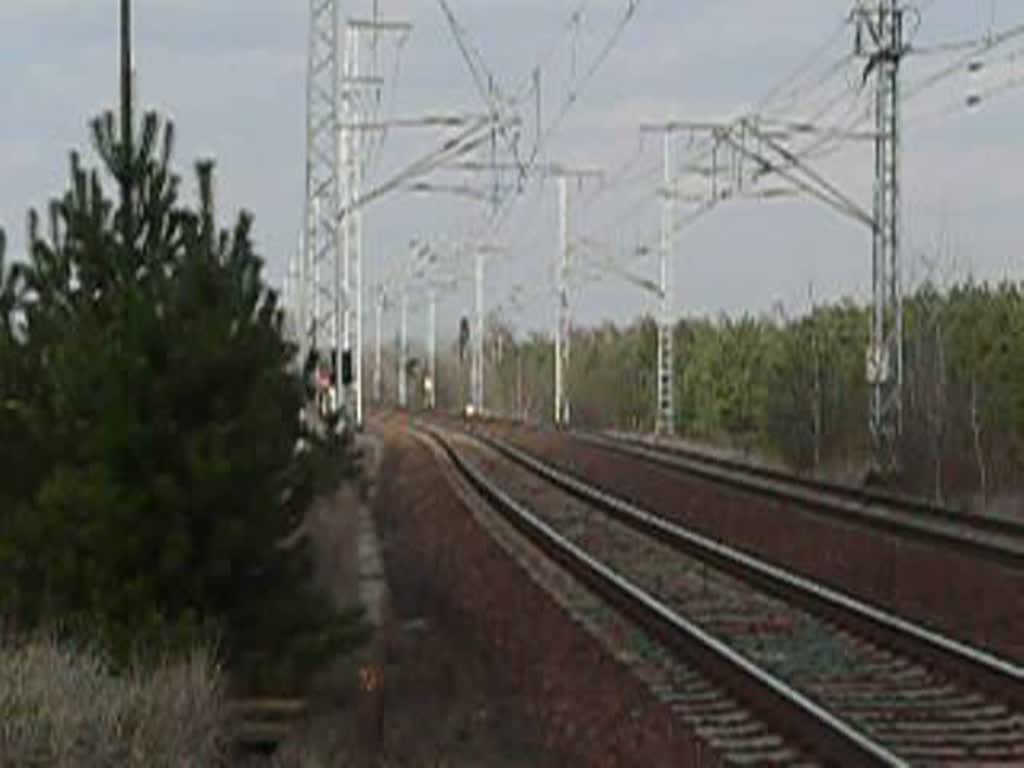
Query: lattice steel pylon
[(880, 38), (666, 357), (665, 418), (321, 254)]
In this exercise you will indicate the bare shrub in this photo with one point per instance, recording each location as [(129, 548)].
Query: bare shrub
[(61, 706)]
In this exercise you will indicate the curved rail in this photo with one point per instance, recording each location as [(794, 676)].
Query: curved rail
[(864, 495), (1002, 678), (993, 537), (832, 738)]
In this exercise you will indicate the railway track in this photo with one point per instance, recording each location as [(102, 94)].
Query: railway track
[(996, 537), (846, 682), (944, 573)]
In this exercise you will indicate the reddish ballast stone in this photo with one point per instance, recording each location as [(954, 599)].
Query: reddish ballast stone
[(959, 593), (589, 706)]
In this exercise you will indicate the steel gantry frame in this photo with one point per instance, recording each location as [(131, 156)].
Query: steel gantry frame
[(880, 40), (339, 110)]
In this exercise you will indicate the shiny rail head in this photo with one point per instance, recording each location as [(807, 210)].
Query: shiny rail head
[(856, 747)]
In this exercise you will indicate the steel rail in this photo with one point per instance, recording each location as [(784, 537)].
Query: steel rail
[(994, 523), (996, 538), (823, 733), (1001, 678)]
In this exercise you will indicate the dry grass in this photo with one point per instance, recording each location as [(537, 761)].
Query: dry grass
[(62, 707)]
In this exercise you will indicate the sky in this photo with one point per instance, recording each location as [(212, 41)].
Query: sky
[(231, 75)]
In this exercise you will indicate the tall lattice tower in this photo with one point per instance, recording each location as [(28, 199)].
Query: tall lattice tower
[(665, 420), (880, 38), (318, 297)]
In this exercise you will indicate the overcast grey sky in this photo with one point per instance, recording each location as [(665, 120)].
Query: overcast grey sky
[(231, 73)]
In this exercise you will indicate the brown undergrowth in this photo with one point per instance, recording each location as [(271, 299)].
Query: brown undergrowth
[(61, 706)]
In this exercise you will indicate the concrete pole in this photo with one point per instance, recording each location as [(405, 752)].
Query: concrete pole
[(286, 291), (349, 245), (377, 370), (562, 328), (355, 278), (317, 283), (519, 381), (432, 350), (478, 341), (302, 294), (403, 348), (288, 299), (357, 356), (338, 303), (343, 244), (346, 172)]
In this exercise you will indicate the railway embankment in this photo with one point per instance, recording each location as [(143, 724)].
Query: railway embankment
[(569, 667)]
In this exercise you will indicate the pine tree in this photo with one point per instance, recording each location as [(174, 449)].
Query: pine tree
[(163, 410), (15, 447)]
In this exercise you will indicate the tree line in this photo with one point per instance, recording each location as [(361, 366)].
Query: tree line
[(794, 389)]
